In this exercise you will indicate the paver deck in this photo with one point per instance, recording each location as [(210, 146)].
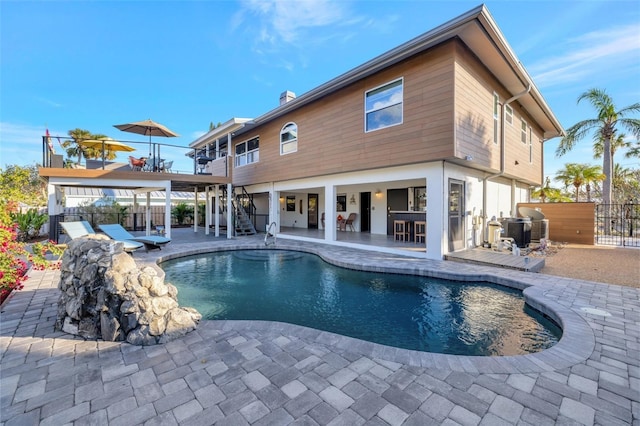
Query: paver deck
[(266, 373)]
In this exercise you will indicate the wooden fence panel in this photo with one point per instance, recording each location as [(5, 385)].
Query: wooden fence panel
[(568, 222)]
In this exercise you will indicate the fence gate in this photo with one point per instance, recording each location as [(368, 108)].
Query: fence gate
[(622, 221)]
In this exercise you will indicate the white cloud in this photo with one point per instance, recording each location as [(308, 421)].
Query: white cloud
[(49, 102), (285, 20), (613, 50)]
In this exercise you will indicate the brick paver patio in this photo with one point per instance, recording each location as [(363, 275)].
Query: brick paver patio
[(261, 373)]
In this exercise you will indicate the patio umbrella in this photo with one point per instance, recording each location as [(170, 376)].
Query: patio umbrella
[(106, 144), (109, 145), (147, 127)]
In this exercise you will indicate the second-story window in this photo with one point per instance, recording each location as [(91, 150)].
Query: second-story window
[(508, 114), (383, 106), (523, 131), (289, 138), (248, 152), (496, 113)]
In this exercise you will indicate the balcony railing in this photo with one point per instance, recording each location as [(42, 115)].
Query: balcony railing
[(137, 156)]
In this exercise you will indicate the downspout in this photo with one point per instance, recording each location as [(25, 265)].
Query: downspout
[(502, 157)]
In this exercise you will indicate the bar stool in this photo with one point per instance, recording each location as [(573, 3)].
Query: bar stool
[(419, 231), (400, 230)]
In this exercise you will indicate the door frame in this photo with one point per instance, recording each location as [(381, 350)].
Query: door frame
[(365, 212), (456, 214), (312, 209)]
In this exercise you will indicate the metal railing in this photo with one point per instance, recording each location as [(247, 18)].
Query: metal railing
[(617, 224), (155, 154)]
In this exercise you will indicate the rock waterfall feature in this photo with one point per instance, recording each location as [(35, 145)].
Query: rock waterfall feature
[(104, 295)]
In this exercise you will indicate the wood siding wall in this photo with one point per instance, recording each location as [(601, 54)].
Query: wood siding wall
[(568, 222), (475, 87), (331, 131), (447, 114)]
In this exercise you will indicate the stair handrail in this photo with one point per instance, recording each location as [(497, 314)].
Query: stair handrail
[(268, 234)]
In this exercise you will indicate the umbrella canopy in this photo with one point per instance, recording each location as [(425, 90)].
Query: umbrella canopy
[(109, 145), (147, 127)]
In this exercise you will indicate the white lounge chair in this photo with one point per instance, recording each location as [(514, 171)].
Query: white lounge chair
[(117, 232), (82, 228)]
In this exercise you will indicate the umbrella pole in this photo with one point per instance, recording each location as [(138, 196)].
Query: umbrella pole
[(102, 155)]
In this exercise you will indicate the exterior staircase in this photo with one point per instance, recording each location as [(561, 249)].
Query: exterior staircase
[(244, 226)]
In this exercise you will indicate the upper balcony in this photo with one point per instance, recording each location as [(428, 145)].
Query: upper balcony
[(136, 161)]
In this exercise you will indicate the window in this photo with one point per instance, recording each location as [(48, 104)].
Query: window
[(530, 145), (341, 202), (508, 114), (383, 106), (247, 152), (289, 138), (496, 113), (523, 131), (291, 203)]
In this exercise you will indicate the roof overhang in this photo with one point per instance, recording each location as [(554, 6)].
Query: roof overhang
[(479, 32), (221, 131)]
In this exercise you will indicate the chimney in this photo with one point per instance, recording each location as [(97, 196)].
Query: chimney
[(287, 96)]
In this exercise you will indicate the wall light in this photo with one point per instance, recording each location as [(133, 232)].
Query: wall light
[(378, 193)]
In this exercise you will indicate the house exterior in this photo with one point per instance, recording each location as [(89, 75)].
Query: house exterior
[(446, 129)]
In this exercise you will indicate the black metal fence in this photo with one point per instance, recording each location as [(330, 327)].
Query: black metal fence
[(617, 224)]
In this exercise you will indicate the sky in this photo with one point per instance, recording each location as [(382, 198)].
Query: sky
[(186, 64)]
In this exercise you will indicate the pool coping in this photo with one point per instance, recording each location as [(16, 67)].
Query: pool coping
[(575, 346)]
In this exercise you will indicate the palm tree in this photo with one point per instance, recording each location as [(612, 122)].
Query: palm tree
[(576, 175), (622, 178), (571, 175), (634, 150), (74, 148), (592, 174), (606, 126), (616, 144)]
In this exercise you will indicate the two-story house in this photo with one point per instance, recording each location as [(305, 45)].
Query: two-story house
[(446, 129)]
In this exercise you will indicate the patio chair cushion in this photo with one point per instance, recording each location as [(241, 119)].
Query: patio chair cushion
[(82, 228), (117, 232)]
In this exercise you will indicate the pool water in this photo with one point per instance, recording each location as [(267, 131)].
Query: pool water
[(404, 311)]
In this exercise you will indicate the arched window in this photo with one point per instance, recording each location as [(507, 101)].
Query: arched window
[(289, 138)]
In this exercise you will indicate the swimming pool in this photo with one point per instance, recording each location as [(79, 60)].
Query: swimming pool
[(404, 311)]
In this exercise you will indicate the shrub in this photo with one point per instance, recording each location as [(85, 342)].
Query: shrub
[(13, 265), (29, 223), (181, 212), (14, 258), (103, 211)]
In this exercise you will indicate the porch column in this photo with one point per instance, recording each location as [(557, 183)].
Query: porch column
[(230, 229), (54, 206), (167, 209), (207, 210), (274, 209), (195, 210), (437, 226), (147, 226), (216, 210), (330, 213)]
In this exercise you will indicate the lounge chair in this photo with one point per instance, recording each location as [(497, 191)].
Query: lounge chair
[(82, 228), (117, 232)]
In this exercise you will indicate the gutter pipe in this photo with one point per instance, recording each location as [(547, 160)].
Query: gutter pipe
[(502, 157)]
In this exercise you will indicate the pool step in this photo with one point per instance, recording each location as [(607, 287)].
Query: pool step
[(265, 255), (488, 257)]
